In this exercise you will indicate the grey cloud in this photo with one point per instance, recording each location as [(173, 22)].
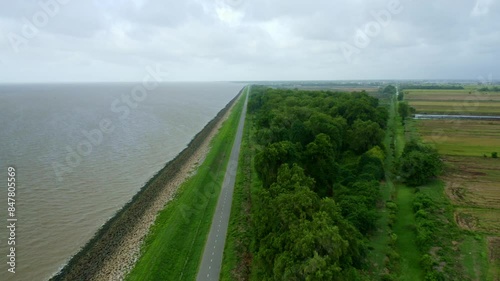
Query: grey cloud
[(112, 40)]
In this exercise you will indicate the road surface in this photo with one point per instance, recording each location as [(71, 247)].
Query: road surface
[(211, 261)]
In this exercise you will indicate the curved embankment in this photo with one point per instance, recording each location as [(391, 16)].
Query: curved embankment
[(115, 247)]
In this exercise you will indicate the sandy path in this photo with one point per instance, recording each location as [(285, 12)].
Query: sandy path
[(119, 264)]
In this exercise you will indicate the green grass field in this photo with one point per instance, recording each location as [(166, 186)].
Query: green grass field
[(475, 257), (173, 248), (461, 137)]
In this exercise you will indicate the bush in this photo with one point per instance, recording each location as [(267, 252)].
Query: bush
[(494, 155), (419, 164)]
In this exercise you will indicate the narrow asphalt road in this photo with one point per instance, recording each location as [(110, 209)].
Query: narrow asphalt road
[(211, 261)]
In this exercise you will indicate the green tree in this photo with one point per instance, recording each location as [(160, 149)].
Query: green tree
[(364, 135), (319, 162), (390, 89), (404, 110), (419, 163), (268, 161)]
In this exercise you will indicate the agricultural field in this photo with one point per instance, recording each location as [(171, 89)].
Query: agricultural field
[(466, 102), (472, 181), (462, 137)]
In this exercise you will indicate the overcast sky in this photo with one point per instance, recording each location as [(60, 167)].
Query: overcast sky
[(225, 40)]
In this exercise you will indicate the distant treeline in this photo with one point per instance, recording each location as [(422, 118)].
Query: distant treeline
[(432, 87), (320, 161), (487, 89)]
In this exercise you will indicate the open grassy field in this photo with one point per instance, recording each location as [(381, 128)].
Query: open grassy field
[(174, 246), (462, 137), (472, 183), (466, 102)]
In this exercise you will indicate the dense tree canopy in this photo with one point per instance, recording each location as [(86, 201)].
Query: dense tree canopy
[(319, 160)]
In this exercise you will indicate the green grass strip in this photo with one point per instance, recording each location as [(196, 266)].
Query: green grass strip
[(237, 260), (404, 229)]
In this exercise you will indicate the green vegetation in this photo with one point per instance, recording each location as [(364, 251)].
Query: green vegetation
[(175, 243), (236, 264), (390, 90), (404, 230), (457, 220), (437, 234), (382, 255), (308, 204), (405, 110), (308, 186), (405, 254), (319, 190), (489, 89), (419, 163)]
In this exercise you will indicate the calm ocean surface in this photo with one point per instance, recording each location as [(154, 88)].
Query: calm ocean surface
[(81, 151)]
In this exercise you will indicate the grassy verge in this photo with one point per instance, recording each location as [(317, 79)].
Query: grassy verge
[(237, 241), (404, 228), (173, 248), (237, 260)]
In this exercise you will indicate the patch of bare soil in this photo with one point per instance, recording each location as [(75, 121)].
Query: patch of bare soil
[(494, 255), (466, 221)]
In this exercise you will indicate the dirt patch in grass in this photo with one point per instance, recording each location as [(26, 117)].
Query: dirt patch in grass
[(494, 248), (494, 256), (479, 219), (466, 221)]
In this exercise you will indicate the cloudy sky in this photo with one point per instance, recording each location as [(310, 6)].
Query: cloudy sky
[(207, 40)]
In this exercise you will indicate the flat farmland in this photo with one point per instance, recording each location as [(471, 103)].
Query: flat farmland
[(480, 220), (466, 102), (472, 182), (462, 137)]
